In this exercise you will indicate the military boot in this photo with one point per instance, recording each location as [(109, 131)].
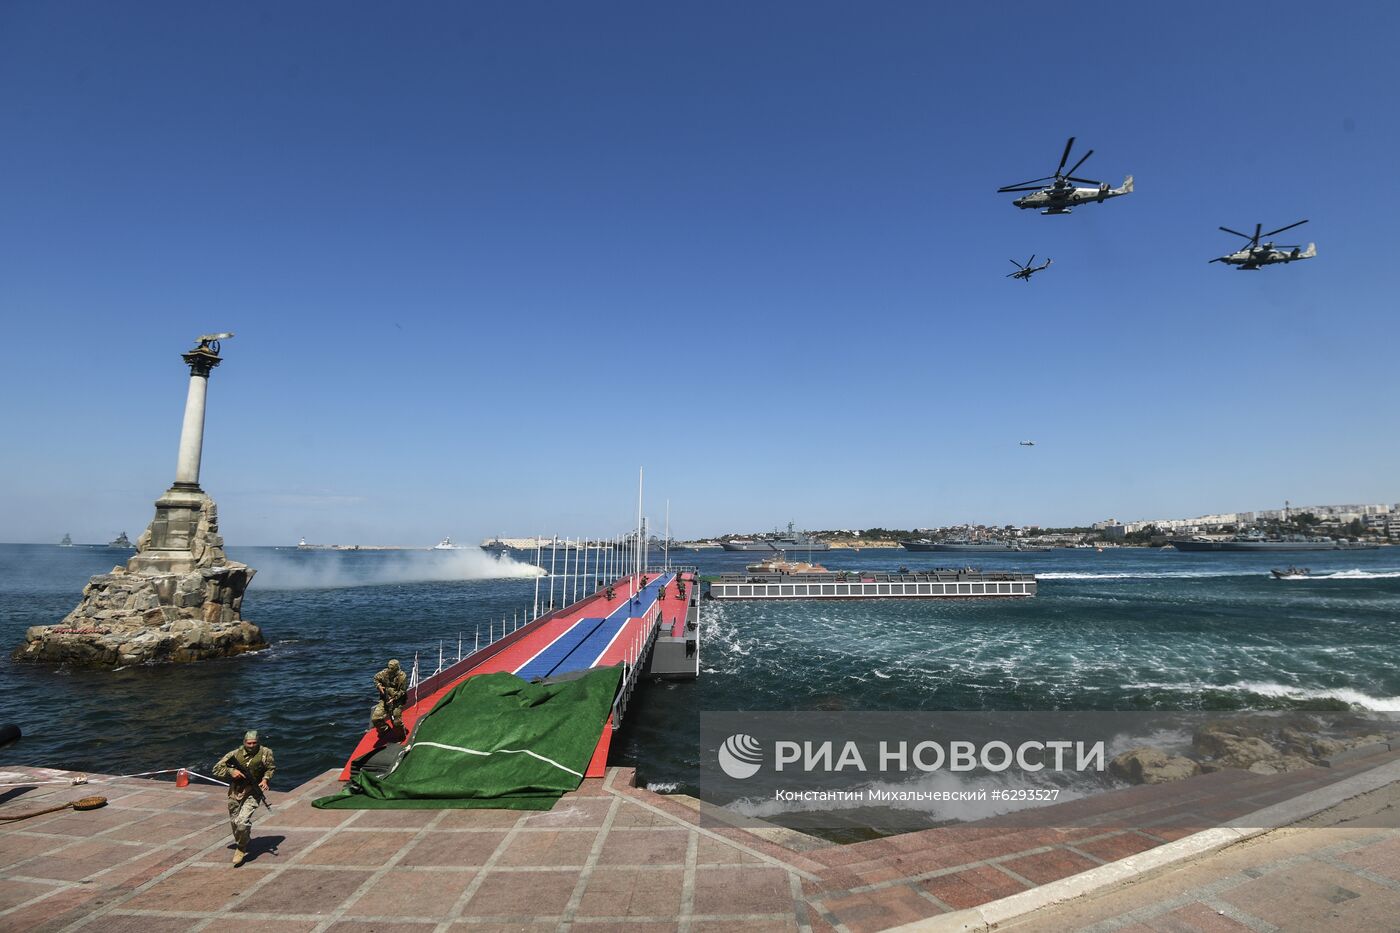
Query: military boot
[(239, 855)]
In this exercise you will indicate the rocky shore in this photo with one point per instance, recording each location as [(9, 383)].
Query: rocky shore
[(1261, 744), (163, 606)]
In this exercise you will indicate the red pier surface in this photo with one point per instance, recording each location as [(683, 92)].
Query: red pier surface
[(595, 631)]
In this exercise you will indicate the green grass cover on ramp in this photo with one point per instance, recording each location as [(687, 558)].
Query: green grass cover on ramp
[(493, 741)]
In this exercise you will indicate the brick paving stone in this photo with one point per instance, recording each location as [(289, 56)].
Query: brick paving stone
[(52, 913), (461, 850), (479, 819), (892, 906), (515, 926), (747, 926), (17, 848), (712, 851), (406, 893), (395, 819), (509, 895), (626, 892), (197, 888), (571, 812), (634, 815), (164, 825), (78, 861), (1194, 918), (1049, 866), (14, 893), (306, 816), (549, 849), (632, 926), (354, 848), (1318, 896), (646, 847), (303, 891), (1382, 857), (136, 923), (972, 886), (380, 926), (1112, 848), (745, 890)]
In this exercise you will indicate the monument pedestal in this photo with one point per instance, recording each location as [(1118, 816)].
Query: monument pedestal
[(167, 604), (179, 598)]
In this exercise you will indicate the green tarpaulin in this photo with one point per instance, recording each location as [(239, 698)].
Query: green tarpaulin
[(493, 741)]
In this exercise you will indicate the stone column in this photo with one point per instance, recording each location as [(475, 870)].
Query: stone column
[(201, 362)]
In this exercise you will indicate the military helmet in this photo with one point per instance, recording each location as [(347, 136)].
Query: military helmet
[(394, 664)]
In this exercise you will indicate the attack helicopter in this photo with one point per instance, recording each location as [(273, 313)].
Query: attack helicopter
[(1028, 443), (1061, 195), (1025, 272), (1256, 255)]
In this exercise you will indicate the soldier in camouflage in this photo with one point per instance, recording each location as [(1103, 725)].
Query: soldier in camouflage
[(392, 684), (248, 769)]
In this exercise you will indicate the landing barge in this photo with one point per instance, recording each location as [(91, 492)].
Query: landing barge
[(952, 584)]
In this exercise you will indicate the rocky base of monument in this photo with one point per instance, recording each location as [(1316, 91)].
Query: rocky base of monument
[(135, 617)]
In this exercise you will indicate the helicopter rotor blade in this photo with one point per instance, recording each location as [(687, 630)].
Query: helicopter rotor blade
[(1031, 260), (1083, 181), (1257, 228), (1281, 229), (1014, 263), (1065, 158), (1021, 185), (1008, 190), (1236, 232), (1080, 162)]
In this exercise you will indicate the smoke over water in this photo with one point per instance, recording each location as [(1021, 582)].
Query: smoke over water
[(316, 570)]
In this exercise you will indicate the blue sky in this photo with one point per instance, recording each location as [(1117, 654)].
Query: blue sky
[(484, 260)]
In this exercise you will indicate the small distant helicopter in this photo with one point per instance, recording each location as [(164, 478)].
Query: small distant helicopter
[(1024, 272), (1028, 443), (1060, 195), (1255, 255)]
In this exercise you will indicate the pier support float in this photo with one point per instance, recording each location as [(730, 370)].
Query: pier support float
[(179, 598)]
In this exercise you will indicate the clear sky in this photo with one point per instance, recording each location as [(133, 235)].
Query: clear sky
[(484, 260)]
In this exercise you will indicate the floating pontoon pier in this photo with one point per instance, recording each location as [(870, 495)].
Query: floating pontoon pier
[(952, 584)]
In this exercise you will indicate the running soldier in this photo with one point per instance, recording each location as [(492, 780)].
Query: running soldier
[(248, 769)]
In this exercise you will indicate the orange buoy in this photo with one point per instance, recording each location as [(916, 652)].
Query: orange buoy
[(182, 778)]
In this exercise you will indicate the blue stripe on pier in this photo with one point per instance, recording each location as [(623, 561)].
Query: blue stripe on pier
[(577, 647)]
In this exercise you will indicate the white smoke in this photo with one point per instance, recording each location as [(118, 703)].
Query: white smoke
[(314, 570)]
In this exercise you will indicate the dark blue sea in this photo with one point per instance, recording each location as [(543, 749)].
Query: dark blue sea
[(1127, 629)]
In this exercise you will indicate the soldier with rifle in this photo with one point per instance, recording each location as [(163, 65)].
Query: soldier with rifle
[(392, 684), (248, 769)]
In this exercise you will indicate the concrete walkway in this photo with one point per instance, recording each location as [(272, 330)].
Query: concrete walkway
[(611, 856), (1339, 870)]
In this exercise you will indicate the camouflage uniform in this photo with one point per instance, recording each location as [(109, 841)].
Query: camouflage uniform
[(392, 684), (256, 768)]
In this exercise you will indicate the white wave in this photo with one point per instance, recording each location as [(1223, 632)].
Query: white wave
[(1344, 694), (1142, 575), (335, 570), (1360, 575), (881, 674)]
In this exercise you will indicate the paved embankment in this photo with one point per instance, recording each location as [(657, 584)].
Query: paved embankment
[(156, 859)]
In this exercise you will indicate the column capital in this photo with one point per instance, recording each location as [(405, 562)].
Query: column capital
[(201, 361)]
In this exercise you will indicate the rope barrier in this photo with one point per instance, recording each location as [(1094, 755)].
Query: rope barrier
[(84, 779)]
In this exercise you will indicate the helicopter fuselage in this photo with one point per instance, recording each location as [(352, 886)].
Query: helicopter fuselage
[(1062, 198), (1266, 255)]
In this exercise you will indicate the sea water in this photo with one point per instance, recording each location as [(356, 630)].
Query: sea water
[(1126, 629)]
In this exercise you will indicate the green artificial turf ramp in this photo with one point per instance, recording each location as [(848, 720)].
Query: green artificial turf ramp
[(493, 741)]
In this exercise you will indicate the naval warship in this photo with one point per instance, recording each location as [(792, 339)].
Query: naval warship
[(792, 541)]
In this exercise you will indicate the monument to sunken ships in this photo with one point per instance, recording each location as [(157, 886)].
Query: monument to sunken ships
[(179, 597)]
